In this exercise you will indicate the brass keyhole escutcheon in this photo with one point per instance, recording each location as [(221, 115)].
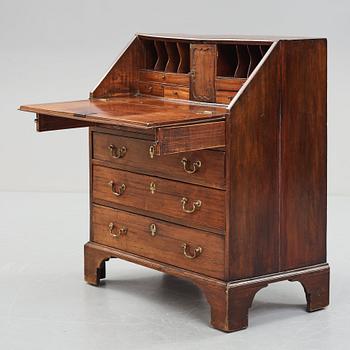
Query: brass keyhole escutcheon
[(152, 151), (152, 187), (153, 229)]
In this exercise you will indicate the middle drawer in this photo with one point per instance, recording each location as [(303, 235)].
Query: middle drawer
[(191, 205), (204, 167)]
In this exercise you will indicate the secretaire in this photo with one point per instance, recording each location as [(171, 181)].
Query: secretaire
[(208, 162)]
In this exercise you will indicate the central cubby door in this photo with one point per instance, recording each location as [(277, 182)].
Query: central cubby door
[(203, 72)]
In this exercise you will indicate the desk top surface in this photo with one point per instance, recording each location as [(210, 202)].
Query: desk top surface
[(134, 111)]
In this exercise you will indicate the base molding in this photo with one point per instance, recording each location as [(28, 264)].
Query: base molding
[(229, 301)]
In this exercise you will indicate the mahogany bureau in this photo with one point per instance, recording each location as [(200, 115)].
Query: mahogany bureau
[(208, 162)]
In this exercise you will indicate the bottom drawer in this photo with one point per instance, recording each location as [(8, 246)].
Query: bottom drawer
[(173, 244)]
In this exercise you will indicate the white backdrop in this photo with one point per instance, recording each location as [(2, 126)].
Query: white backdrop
[(58, 50)]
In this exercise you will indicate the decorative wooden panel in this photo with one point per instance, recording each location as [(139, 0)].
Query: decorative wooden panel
[(203, 72)]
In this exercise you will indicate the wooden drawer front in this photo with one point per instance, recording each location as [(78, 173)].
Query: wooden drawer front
[(166, 198), (211, 172), (225, 96), (151, 75), (162, 77), (183, 138), (179, 92), (155, 89), (159, 240), (178, 79), (229, 84)]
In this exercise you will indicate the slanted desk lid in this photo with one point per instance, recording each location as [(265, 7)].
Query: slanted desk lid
[(178, 126), (132, 111)]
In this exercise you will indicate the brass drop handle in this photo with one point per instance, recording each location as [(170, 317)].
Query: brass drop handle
[(117, 191), (117, 152), (122, 231), (195, 166), (196, 251), (195, 205), (153, 229)]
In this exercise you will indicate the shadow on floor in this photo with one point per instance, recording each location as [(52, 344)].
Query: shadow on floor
[(181, 296)]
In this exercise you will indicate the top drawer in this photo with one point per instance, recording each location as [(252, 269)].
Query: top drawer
[(205, 167)]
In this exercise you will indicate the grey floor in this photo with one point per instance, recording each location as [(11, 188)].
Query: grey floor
[(45, 303)]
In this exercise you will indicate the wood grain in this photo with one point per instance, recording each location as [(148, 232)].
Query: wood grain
[(229, 302), (162, 56), (166, 199), (243, 61), (178, 92), (165, 245), (203, 72), (133, 111), (184, 52), (151, 75), (155, 89), (177, 79), (162, 77), (252, 176), (49, 123), (190, 137), (225, 96), (304, 153), (123, 75), (137, 159), (173, 57), (229, 84)]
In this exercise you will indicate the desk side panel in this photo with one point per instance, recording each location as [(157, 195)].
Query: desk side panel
[(303, 153), (123, 75), (252, 175)]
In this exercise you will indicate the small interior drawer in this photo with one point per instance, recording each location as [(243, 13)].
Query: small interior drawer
[(178, 92), (229, 84), (165, 77), (177, 139), (225, 96), (155, 89)]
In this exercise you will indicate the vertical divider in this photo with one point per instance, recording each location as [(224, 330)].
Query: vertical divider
[(235, 59), (243, 61), (150, 54), (173, 57), (184, 57), (227, 60), (263, 49), (162, 56), (254, 57)]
